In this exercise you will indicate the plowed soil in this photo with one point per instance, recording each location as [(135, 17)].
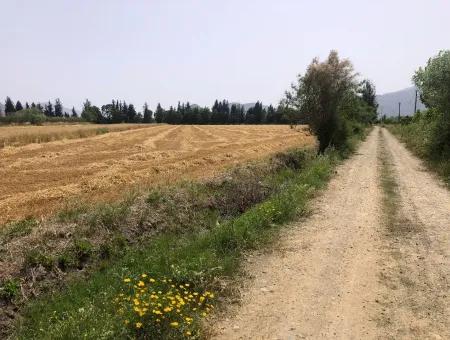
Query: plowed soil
[(38, 179)]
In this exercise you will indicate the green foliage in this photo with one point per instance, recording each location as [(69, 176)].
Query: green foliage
[(433, 82), (19, 106), (9, 289), (17, 229), (428, 135), (327, 98), (37, 257), (91, 113), (368, 93), (83, 250), (9, 106), (32, 115)]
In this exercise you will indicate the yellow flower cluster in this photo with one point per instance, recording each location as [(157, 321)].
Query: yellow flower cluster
[(161, 305)]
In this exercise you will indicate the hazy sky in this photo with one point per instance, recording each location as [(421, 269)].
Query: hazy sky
[(197, 51)]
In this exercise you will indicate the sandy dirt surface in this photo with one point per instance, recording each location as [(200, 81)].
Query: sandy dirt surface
[(339, 274), (37, 179)]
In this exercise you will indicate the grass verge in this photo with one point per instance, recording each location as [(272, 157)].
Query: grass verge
[(418, 137)]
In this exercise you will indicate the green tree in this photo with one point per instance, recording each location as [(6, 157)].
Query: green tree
[(9, 106), (159, 114), (91, 113), (148, 114), (319, 95), (433, 82), (19, 106), (368, 93), (58, 108), (74, 113), (131, 114), (48, 111)]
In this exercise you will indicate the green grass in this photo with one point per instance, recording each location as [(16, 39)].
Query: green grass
[(427, 135), (201, 258), (17, 229)]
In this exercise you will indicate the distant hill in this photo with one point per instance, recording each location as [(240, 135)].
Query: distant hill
[(388, 102)]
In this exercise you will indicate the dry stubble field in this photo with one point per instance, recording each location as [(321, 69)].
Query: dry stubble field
[(39, 179)]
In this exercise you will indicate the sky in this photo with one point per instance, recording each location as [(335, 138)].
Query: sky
[(191, 50)]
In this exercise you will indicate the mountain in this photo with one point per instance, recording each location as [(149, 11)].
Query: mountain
[(388, 102)]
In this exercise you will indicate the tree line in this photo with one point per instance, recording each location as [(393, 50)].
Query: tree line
[(221, 112), (50, 109)]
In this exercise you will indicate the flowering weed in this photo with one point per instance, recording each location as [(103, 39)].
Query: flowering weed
[(161, 307)]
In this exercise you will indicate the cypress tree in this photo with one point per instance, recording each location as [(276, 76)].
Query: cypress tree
[(9, 106), (48, 111), (19, 106), (58, 108), (131, 114), (159, 114), (147, 114)]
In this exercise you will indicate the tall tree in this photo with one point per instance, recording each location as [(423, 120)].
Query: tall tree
[(433, 82), (159, 114), (48, 111), (148, 114), (27, 106), (74, 113), (19, 106), (90, 112), (368, 93), (9, 106), (319, 95), (131, 114), (58, 108)]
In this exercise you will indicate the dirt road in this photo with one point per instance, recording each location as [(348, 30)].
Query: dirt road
[(37, 179), (351, 272)]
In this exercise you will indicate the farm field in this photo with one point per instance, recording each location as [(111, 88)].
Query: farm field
[(11, 136), (39, 179)]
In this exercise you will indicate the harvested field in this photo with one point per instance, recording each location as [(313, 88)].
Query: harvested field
[(39, 179), (23, 135)]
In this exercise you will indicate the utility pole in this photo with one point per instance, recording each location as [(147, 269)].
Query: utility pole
[(415, 104), (399, 105)]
